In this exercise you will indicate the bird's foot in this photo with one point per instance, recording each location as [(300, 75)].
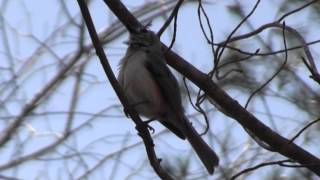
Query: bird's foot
[(148, 126)]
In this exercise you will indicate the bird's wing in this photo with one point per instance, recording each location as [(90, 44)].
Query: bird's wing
[(167, 83), (170, 91)]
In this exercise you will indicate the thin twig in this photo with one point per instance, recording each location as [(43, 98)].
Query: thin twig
[(287, 28), (211, 40), (240, 60), (296, 10), (270, 53), (276, 73), (233, 32), (173, 14), (174, 33), (201, 97), (303, 129), (197, 107), (258, 166)]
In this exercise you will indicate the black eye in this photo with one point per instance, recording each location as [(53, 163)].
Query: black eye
[(144, 30)]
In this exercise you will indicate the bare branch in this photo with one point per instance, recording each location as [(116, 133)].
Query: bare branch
[(140, 125), (233, 109)]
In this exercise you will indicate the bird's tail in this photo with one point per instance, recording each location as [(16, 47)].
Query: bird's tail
[(208, 157)]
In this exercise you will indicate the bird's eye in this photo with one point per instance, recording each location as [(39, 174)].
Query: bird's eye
[(144, 30)]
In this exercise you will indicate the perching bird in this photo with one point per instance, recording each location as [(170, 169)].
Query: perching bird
[(154, 92)]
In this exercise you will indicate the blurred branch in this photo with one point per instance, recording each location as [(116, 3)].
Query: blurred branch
[(276, 73), (313, 70), (296, 10), (117, 159), (311, 64), (269, 53), (8, 178), (40, 152), (280, 163), (229, 38), (12, 127)]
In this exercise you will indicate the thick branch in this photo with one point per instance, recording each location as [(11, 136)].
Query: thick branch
[(230, 106)]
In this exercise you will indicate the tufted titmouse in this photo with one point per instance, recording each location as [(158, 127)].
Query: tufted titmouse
[(154, 92)]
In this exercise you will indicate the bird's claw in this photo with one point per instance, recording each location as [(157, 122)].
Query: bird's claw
[(148, 126), (150, 129)]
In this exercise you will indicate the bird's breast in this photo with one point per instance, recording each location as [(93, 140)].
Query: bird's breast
[(141, 89)]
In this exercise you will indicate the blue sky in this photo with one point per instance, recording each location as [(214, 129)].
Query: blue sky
[(105, 135)]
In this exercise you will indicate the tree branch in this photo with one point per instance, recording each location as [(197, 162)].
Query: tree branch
[(230, 106), (140, 125)]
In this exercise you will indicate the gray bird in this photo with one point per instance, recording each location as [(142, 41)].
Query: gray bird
[(154, 92)]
